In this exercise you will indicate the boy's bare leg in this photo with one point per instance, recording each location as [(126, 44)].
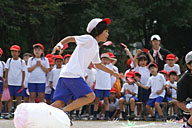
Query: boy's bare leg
[(18, 99), (159, 110), (41, 96), (96, 104), (58, 104), (149, 109), (32, 97), (132, 104), (10, 104), (106, 103), (121, 101), (80, 102)]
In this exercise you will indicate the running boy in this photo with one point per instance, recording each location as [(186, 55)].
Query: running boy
[(157, 83), (71, 82), (14, 77), (184, 89)]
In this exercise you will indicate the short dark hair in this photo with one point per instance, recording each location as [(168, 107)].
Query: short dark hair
[(27, 54), (172, 73), (142, 57), (99, 29)]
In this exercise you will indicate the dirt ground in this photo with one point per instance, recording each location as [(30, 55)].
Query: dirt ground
[(109, 124)]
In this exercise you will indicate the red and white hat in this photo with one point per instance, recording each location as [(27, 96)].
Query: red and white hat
[(170, 57), (15, 48), (40, 45), (58, 57), (1, 51), (94, 22)]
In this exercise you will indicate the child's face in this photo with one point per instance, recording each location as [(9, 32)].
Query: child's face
[(143, 63), (137, 78), (153, 70), (170, 62), (25, 58), (37, 51), (173, 78), (105, 60), (113, 95), (15, 54), (103, 36), (66, 60), (130, 83), (59, 63)]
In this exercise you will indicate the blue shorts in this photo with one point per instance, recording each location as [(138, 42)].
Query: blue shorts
[(151, 102), (143, 94), (14, 89), (25, 93), (134, 97), (48, 96), (102, 93), (36, 87), (1, 87), (71, 87)]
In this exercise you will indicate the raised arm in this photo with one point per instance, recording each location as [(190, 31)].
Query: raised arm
[(143, 86)]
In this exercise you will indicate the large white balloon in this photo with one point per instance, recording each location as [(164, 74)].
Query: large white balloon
[(40, 115)]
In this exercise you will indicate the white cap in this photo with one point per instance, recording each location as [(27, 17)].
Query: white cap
[(94, 22), (188, 57), (157, 37), (105, 55)]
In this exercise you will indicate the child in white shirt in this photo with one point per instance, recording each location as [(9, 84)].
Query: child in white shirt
[(172, 90), (103, 86), (171, 65), (157, 83), (14, 77), (26, 57), (55, 74), (130, 92), (38, 66), (90, 75)]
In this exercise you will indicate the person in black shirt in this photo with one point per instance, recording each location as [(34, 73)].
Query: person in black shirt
[(184, 89), (159, 54)]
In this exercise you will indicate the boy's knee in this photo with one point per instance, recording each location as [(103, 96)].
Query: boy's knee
[(148, 107), (132, 100), (91, 96), (157, 104)]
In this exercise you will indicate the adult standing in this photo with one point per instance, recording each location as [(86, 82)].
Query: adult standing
[(159, 54)]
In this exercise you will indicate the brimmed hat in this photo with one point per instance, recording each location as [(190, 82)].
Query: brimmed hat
[(188, 57), (113, 90), (152, 65), (170, 57), (15, 48), (155, 37), (94, 22), (40, 45)]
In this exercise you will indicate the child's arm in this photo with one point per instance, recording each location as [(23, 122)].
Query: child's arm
[(135, 61), (51, 84), (143, 86), (6, 78), (160, 91), (32, 68), (105, 69), (46, 70), (23, 79), (168, 90), (63, 42), (130, 56), (150, 57)]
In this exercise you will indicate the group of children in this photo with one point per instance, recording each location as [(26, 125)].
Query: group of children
[(49, 80)]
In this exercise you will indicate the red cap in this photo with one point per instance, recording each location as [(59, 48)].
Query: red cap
[(58, 57), (171, 72), (50, 61), (49, 56), (15, 48), (153, 65), (107, 20), (40, 45), (170, 57), (67, 55), (111, 54), (164, 72), (113, 90), (129, 63), (1, 51), (130, 74)]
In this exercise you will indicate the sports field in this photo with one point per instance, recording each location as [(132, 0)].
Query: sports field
[(109, 124)]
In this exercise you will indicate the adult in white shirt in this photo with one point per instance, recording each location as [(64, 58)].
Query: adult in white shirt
[(71, 82)]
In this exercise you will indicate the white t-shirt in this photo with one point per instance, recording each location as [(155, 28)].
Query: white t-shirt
[(145, 74), (176, 68), (103, 79), (37, 75), (156, 83), (132, 88), (114, 106), (91, 76), (15, 69), (2, 69), (87, 51), (47, 88), (55, 76), (113, 78), (173, 91)]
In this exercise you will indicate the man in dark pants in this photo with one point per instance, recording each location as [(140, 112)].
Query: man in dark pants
[(184, 90)]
